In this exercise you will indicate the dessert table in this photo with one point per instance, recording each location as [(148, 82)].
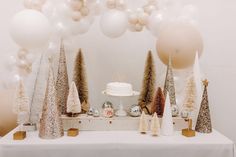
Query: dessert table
[(119, 144)]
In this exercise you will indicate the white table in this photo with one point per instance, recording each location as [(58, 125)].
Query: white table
[(119, 144)]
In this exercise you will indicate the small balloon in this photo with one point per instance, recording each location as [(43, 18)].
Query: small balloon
[(76, 16), (154, 22), (80, 27), (84, 11), (75, 5)]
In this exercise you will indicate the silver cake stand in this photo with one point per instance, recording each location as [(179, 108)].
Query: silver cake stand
[(121, 112)]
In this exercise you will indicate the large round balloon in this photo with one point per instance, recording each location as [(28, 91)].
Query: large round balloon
[(181, 40), (114, 23), (30, 29)]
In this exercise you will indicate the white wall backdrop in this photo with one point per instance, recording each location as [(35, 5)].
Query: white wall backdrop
[(122, 59)]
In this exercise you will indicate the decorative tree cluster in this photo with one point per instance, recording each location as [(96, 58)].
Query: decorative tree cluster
[(148, 86), (158, 103), (80, 81), (62, 85)]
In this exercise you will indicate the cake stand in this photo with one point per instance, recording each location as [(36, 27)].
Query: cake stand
[(121, 112)]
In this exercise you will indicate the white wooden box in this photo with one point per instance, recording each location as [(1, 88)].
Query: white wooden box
[(89, 123)]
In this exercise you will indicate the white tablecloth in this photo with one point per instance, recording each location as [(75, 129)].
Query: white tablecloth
[(118, 144)]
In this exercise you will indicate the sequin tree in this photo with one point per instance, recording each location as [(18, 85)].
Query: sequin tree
[(148, 85), (203, 124), (169, 84), (50, 122), (80, 81), (158, 103), (62, 85)]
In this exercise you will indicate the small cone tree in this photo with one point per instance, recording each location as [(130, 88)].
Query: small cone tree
[(158, 103), (80, 81), (203, 124), (148, 86), (62, 85), (21, 106), (143, 124), (190, 95), (155, 125), (73, 102)]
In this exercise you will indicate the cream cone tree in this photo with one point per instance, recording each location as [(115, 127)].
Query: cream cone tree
[(155, 125), (21, 105), (167, 128), (73, 101), (143, 124), (190, 95)]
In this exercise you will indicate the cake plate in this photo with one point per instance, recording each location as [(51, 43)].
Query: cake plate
[(121, 112)]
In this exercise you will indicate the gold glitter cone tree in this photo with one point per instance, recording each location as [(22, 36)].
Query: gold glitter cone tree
[(50, 122), (80, 80), (203, 124), (62, 85), (158, 103), (169, 84), (148, 86), (190, 95)]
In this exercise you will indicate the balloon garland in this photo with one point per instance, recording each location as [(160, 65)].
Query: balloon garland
[(44, 20)]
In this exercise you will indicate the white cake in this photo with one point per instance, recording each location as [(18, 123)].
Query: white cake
[(119, 89)]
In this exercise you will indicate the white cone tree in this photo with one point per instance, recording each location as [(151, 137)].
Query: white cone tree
[(167, 128), (143, 124), (73, 101), (155, 125)]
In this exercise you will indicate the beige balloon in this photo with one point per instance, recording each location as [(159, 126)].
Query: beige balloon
[(182, 40)]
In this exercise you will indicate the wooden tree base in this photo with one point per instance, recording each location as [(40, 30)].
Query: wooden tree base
[(72, 132), (188, 132), (19, 135)]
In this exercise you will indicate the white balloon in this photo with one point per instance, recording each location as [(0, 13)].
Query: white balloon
[(80, 27), (114, 23), (154, 22), (30, 29)]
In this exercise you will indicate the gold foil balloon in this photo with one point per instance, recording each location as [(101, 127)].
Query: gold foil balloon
[(181, 40)]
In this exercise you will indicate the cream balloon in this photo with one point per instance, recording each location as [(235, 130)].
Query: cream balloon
[(154, 22), (114, 23), (30, 29), (181, 40)]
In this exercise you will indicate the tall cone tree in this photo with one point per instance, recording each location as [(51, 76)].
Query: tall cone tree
[(148, 85), (62, 85), (190, 95), (158, 103), (50, 122), (203, 124), (80, 81), (169, 83)]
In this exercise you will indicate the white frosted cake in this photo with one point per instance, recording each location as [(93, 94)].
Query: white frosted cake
[(119, 89)]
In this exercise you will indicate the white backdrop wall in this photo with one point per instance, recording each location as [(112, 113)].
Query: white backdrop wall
[(122, 59)]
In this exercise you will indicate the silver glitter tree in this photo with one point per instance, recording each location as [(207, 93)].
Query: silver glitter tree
[(169, 84), (203, 124), (50, 122), (62, 85)]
